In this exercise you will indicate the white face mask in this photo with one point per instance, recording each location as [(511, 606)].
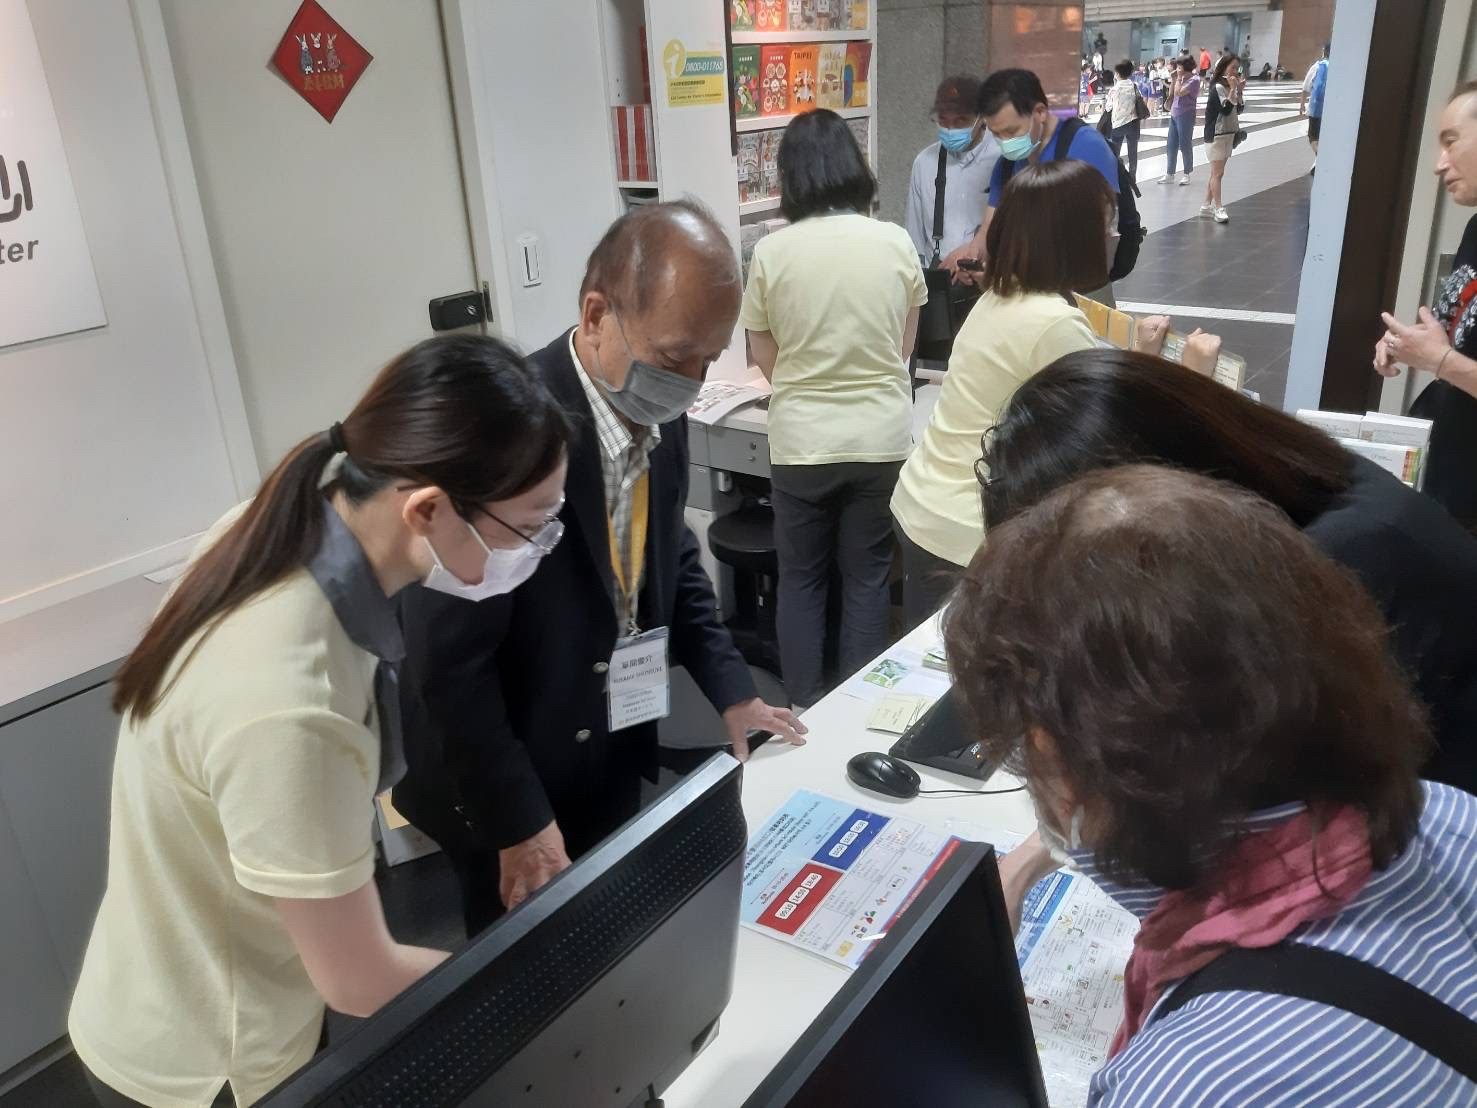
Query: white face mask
[(1060, 848), (503, 571)]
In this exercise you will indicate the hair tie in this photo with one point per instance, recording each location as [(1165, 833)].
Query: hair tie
[(336, 439)]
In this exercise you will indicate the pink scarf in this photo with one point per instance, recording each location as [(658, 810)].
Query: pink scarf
[(1265, 889)]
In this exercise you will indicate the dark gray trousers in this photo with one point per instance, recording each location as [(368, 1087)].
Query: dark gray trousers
[(928, 580), (825, 515)]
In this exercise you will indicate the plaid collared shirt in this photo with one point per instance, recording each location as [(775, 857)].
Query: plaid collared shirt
[(623, 459)]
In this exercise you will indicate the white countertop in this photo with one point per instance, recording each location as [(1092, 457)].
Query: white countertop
[(779, 989), (56, 644)]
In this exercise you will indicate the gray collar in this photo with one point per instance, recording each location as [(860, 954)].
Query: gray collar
[(344, 574), (368, 617)]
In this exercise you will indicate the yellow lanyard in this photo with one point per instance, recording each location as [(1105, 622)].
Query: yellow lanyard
[(628, 570)]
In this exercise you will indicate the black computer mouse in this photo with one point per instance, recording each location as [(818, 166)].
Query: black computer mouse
[(882, 773)]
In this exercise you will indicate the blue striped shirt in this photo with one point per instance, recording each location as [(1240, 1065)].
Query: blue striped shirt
[(1416, 919)]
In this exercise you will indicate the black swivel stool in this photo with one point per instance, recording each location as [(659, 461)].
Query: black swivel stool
[(744, 541)]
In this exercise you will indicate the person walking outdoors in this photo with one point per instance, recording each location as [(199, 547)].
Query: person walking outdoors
[(841, 419), (1183, 97), (1222, 126), (1315, 84), (1204, 62), (1123, 102)]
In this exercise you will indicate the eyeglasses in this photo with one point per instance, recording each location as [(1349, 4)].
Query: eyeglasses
[(982, 465), (544, 539)]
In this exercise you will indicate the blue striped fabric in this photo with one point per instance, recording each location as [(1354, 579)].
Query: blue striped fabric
[(1417, 919)]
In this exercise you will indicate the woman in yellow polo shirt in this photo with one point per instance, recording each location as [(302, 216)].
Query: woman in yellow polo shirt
[(1052, 234), (260, 718), (831, 308)]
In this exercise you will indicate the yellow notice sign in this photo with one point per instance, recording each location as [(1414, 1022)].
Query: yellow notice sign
[(693, 79)]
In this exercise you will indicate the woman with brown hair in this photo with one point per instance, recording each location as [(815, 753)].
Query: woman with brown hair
[(1052, 235), (1206, 716), (1105, 408), (261, 717)]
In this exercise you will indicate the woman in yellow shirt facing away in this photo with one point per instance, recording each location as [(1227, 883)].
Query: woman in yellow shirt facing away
[(831, 309), (260, 719), (1053, 234)]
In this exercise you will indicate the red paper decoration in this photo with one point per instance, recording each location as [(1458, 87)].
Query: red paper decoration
[(319, 59)]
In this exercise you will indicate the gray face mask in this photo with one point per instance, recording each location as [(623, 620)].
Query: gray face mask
[(651, 395)]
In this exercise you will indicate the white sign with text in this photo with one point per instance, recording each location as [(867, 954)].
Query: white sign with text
[(47, 283)]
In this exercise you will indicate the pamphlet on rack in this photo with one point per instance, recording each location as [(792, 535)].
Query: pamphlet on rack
[(829, 877), (718, 398), (1073, 944)]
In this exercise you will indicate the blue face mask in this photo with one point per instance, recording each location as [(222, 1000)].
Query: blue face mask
[(1018, 149), (956, 140)]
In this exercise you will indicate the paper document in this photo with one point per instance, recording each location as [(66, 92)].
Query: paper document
[(896, 713), (718, 398), (829, 877), (1073, 944), (899, 671)]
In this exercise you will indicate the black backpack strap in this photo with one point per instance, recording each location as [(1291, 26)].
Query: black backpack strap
[(1339, 981), (1066, 131), (940, 181)]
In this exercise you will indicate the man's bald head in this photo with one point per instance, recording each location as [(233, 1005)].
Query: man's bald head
[(662, 287), (657, 249)]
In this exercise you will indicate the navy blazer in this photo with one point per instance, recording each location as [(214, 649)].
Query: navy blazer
[(506, 721)]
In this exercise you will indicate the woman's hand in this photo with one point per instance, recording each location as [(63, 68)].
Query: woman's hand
[(1149, 334), (1202, 351), (1421, 346), (1020, 870)]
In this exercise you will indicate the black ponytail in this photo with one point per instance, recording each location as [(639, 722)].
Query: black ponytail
[(463, 413)]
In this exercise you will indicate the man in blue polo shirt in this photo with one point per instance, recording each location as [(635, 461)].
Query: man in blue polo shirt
[(1012, 104), (1315, 84)]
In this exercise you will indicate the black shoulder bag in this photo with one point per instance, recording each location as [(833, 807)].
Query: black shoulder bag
[(1339, 981), (948, 303)]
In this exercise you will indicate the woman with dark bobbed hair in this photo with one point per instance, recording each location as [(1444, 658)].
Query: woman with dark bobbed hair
[(1101, 408), (1203, 710), (831, 311)]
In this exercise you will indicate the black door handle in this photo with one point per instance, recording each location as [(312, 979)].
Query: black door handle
[(461, 309)]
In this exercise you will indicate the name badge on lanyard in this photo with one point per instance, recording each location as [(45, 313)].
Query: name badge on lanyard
[(637, 688)]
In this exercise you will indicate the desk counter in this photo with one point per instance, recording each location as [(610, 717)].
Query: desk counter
[(779, 989)]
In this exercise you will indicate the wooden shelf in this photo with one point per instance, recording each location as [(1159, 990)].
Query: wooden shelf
[(652, 185), (768, 204), (761, 38), (775, 122)]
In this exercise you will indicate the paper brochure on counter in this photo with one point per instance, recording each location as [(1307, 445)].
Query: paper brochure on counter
[(830, 878)]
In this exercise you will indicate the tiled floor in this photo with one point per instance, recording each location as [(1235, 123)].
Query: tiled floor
[(1249, 269)]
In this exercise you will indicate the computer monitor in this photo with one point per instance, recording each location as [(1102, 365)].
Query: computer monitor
[(940, 739), (936, 1015), (597, 991)]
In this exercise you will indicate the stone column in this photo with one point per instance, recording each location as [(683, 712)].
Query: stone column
[(920, 42)]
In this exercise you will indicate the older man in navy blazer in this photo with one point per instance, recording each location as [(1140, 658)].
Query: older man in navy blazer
[(519, 757)]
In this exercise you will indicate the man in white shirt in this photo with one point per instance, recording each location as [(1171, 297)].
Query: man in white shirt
[(969, 155)]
